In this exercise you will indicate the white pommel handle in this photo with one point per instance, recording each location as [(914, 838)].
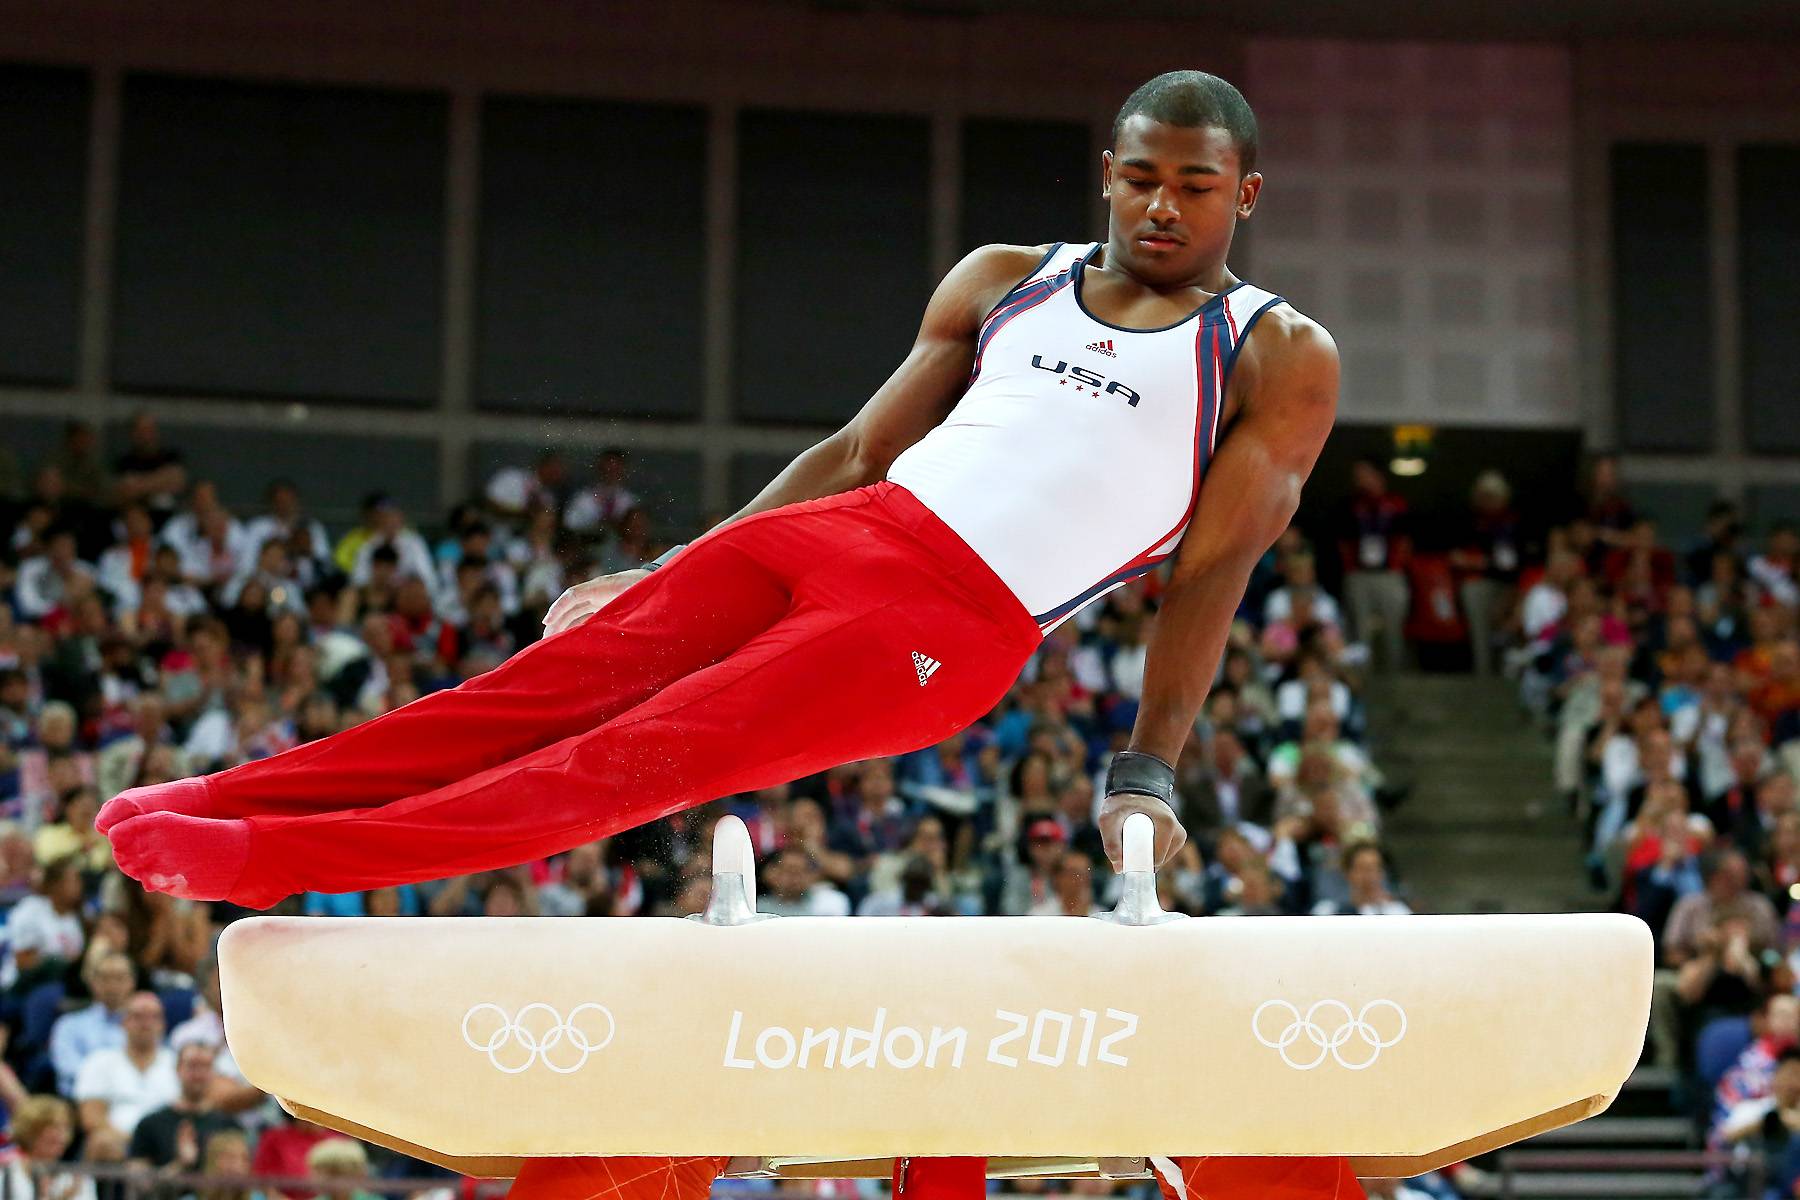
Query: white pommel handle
[(731, 848), (733, 900), (1140, 843)]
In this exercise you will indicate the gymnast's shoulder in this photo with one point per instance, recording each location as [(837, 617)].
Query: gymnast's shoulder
[(985, 275), (1288, 351)]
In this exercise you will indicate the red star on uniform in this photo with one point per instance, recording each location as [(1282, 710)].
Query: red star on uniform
[(1096, 392), (1061, 382)]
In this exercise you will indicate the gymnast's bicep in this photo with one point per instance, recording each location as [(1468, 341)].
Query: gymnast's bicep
[(1253, 485)]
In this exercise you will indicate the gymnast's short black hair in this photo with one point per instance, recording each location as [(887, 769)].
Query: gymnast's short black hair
[(1194, 98)]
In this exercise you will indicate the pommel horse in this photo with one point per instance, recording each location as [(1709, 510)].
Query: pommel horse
[(823, 1047)]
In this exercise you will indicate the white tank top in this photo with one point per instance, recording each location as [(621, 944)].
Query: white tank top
[(1073, 462)]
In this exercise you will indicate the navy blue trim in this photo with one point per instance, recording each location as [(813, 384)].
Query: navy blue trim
[(1023, 279), (1125, 576), (1077, 269), (1242, 337), (1031, 297)]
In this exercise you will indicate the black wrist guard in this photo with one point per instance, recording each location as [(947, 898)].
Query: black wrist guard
[(1142, 774), (664, 557)]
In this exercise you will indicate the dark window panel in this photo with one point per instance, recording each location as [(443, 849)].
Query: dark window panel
[(1662, 306), (833, 259), (1027, 183), (1769, 295), (334, 470), (280, 241), (751, 473), (43, 184), (593, 258)]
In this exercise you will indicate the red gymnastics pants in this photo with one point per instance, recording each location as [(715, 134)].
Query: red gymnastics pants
[(773, 647), (936, 1179)]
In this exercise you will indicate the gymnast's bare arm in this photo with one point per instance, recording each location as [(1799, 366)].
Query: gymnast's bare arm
[(1286, 382), (915, 399)]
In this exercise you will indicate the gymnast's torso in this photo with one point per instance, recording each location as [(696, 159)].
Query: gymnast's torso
[(1073, 462)]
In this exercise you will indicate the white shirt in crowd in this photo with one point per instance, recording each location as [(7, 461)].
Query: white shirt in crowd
[(414, 555), (34, 924), (1544, 607), (39, 589), (1290, 700), (21, 1182), (261, 529), (110, 1075), (821, 900), (1280, 607), (597, 506), (1127, 666)]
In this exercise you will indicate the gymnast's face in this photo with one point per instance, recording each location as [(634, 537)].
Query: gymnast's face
[(1176, 196)]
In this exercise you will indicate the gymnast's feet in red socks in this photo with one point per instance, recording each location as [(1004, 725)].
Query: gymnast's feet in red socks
[(197, 858), (187, 796)]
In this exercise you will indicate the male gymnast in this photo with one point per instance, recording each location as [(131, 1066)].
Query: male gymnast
[(1044, 442)]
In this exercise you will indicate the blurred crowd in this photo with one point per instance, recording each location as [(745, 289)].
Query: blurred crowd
[(149, 631), (1668, 680)]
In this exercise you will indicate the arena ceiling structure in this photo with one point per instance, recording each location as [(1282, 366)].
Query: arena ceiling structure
[(1483, 19)]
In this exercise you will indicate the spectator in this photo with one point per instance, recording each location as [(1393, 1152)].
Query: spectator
[(72, 835), (287, 522), (84, 475), (514, 491), (1724, 526), (124, 567), (1300, 601), (580, 888), (100, 1025), (1776, 1029), (607, 500), (282, 1152), (42, 1132), (791, 887), (1376, 546), (1221, 787), (1255, 891), (1488, 554), (1072, 892), (167, 937), (1726, 897), (44, 936), (1029, 881), (148, 470), (1773, 571), (1365, 871), (53, 767), (338, 1163), (116, 1086), (121, 763), (389, 528), (51, 582), (171, 1137), (226, 1156), (911, 894)]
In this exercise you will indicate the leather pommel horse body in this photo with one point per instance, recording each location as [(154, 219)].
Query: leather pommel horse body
[(812, 1046)]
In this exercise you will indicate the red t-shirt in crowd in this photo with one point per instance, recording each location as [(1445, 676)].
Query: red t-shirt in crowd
[(281, 1152)]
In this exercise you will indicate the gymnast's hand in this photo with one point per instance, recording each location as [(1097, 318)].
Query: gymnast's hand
[(1170, 836), (583, 600)]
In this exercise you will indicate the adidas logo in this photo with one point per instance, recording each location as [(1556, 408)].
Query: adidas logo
[(1105, 348), (925, 665)]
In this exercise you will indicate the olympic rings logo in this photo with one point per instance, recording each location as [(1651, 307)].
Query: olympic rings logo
[(1369, 1042), (555, 1041)]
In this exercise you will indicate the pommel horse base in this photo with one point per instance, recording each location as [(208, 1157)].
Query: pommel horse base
[(816, 1047)]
